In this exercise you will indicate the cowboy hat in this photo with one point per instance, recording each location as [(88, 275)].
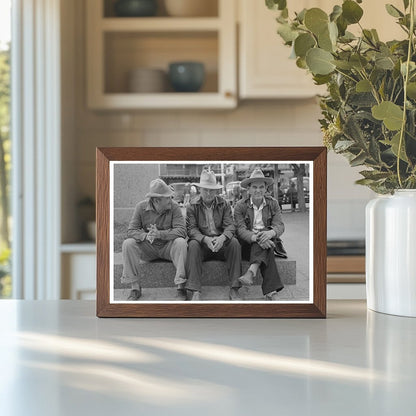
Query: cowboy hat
[(159, 188), (256, 176), (208, 180)]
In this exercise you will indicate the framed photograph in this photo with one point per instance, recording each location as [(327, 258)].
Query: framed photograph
[(211, 232)]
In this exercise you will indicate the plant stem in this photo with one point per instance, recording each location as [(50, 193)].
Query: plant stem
[(373, 88), (406, 79), (346, 75)]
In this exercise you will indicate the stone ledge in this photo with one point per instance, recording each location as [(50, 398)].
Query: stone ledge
[(214, 273)]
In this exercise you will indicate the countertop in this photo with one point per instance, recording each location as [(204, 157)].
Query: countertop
[(57, 358)]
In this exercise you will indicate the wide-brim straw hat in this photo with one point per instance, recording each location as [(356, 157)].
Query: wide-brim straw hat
[(158, 188), (208, 180), (256, 176)]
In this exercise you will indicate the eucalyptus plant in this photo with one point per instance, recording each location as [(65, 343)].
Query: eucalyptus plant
[(369, 111)]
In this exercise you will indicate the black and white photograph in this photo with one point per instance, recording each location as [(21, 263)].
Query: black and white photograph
[(211, 231)]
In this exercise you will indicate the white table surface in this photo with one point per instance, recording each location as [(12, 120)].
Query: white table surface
[(57, 358)]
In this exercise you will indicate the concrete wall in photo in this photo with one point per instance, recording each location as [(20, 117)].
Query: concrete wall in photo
[(131, 184)]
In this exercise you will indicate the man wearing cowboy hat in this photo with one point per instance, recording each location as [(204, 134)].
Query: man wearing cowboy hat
[(211, 232), (156, 231), (259, 224)]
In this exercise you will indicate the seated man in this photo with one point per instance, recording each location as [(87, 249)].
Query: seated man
[(156, 231), (211, 231), (259, 224)]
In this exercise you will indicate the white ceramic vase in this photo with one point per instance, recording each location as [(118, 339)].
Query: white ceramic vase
[(391, 253)]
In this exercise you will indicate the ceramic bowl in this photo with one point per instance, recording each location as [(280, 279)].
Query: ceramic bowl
[(135, 8), (186, 76)]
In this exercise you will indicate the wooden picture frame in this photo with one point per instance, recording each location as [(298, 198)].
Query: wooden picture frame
[(111, 160)]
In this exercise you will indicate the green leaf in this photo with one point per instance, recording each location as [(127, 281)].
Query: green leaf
[(336, 12), (359, 160), (276, 4), (303, 43), (333, 32), (362, 99), (374, 174), (384, 62), (301, 15), (325, 42), (375, 35), (411, 123), (368, 36), (374, 150), (358, 61), (381, 89), (365, 182), (344, 65), (351, 11), (363, 86), (281, 19), (321, 79), (393, 11), (301, 63), (411, 90), (353, 131), (319, 61), (342, 25), (347, 37), (343, 145), (391, 114), (316, 20), (395, 141), (406, 4), (282, 4), (405, 21), (287, 33), (412, 67)]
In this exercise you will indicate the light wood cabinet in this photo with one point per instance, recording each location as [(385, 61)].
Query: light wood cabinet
[(78, 264), (265, 70), (117, 45)]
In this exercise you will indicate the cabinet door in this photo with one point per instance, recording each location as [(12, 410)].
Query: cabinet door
[(78, 276), (266, 71)]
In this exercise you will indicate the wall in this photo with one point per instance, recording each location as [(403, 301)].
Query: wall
[(253, 123)]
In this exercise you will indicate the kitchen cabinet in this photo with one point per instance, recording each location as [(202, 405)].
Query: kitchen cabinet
[(118, 45), (78, 263), (265, 70)]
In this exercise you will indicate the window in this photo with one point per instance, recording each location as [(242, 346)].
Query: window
[(5, 148)]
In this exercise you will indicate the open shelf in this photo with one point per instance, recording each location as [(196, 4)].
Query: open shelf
[(127, 51), (209, 9), (160, 24), (118, 45)]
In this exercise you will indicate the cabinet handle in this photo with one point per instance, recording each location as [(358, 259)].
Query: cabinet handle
[(229, 94)]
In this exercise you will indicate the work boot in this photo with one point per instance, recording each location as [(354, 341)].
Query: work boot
[(234, 295), (196, 295), (181, 292), (135, 294)]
